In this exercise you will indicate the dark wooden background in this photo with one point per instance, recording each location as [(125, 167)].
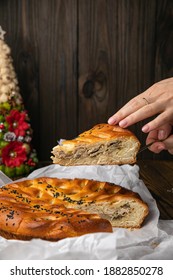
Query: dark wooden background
[(78, 61)]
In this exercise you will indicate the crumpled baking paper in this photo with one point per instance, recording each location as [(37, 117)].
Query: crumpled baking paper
[(153, 241)]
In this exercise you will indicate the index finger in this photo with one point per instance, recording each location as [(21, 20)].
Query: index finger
[(130, 107)]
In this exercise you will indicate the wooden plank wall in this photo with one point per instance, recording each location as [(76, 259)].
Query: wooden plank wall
[(78, 61)]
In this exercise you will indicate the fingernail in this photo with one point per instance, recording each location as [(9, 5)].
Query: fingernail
[(145, 128), (123, 123), (111, 120), (161, 134), (160, 147)]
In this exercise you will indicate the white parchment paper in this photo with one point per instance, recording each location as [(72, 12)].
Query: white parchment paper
[(153, 241)]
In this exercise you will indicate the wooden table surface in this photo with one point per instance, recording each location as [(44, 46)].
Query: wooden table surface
[(158, 178)]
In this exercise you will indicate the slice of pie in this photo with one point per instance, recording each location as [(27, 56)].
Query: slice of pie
[(53, 209), (104, 144)]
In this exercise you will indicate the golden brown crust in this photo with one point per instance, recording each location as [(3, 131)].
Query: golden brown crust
[(103, 144), (100, 132), (53, 209)]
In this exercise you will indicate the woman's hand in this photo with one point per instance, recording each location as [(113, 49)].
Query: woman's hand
[(157, 100)]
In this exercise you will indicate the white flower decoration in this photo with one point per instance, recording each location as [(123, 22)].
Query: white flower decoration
[(9, 136)]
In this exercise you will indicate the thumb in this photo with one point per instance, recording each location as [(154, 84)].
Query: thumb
[(164, 131)]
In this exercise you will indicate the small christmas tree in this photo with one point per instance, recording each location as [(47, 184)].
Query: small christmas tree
[(17, 157)]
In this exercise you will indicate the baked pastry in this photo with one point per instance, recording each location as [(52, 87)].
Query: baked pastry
[(103, 144), (53, 209)]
